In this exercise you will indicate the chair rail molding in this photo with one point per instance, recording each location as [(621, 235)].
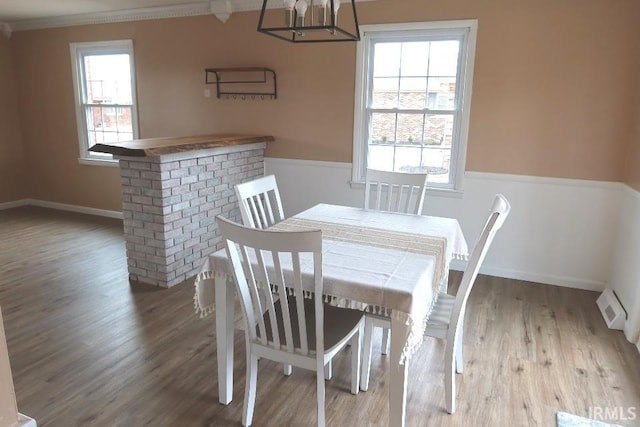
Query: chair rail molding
[(5, 28)]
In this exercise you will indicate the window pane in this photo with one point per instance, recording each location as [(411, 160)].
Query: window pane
[(385, 92), (415, 59), (413, 92), (438, 130), (94, 118), (407, 159), (383, 128), (443, 58), (123, 120), (441, 93), (108, 79), (381, 157), (410, 128), (387, 59), (436, 163)]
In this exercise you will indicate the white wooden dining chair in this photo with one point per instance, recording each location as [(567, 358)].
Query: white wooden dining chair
[(281, 324), (259, 202), (447, 318), (395, 191)]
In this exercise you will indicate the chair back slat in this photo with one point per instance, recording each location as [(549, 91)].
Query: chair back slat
[(278, 279), (259, 259), (259, 202), (395, 191), (254, 294), (264, 293), (299, 296), (498, 214)]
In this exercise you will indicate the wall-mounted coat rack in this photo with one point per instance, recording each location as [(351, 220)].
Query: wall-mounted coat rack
[(243, 82)]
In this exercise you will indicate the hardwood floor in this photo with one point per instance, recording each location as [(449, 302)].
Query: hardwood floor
[(89, 349)]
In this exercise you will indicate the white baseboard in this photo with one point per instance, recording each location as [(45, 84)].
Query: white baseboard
[(638, 346), (567, 282), (14, 204), (61, 207)]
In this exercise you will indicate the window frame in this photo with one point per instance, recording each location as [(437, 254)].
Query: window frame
[(464, 30), (78, 52)]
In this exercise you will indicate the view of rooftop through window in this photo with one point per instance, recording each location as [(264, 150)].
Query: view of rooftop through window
[(412, 106)]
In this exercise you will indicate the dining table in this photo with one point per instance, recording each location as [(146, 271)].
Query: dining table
[(384, 263)]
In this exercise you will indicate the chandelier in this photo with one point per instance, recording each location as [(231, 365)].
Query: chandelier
[(310, 21)]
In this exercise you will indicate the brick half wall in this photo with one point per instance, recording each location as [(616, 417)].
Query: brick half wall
[(170, 203)]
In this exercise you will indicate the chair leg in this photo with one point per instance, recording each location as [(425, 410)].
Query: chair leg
[(385, 341), (287, 369), (250, 388), (356, 344), (459, 348), (320, 392), (366, 354), (328, 370), (450, 377)]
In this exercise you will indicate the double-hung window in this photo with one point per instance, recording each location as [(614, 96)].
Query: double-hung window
[(413, 93), (105, 95)]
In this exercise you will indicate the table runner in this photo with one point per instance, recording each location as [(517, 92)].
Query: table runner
[(416, 243)]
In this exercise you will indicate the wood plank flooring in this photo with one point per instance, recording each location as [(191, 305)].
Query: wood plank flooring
[(89, 349)]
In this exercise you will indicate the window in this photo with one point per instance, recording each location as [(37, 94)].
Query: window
[(413, 92), (105, 95)]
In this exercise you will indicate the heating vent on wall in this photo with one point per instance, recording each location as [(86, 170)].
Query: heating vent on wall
[(611, 309)]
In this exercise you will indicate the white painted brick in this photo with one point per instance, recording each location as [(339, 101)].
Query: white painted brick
[(188, 162), (195, 170), (180, 189), (172, 217), (131, 173), (180, 206), (157, 210), (140, 165), (151, 175), (179, 173), (205, 160), (142, 199), (143, 183), (158, 243), (188, 179), (167, 183), (169, 166)]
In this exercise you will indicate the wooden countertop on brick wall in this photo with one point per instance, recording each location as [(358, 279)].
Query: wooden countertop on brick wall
[(159, 146)]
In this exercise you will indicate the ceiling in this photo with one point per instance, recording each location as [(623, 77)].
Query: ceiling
[(17, 10), (18, 15)]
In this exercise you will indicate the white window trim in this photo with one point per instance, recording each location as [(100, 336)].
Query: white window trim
[(102, 47), (368, 32)]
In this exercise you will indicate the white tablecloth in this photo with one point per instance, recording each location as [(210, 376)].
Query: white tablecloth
[(401, 281)]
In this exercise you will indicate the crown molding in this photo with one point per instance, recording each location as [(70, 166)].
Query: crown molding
[(5, 29), (222, 9), (142, 14)]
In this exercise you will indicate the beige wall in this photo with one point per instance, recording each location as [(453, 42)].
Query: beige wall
[(12, 162), (632, 171), (551, 89)]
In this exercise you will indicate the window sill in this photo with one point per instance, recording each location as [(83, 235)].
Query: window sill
[(432, 191), (99, 162)]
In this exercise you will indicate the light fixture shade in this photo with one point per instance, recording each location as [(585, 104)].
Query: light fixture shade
[(322, 20)]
